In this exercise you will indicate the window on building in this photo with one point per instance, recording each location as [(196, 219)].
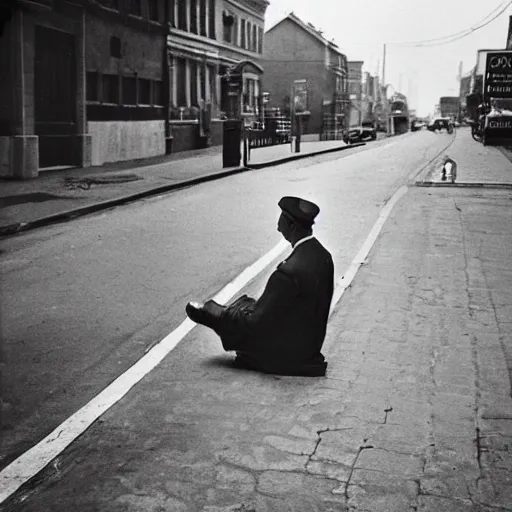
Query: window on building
[(250, 93), (144, 96), (202, 17), (248, 40), (115, 47), (158, 92), (212, 82), (202, 81), (172, 12), (129, 90), (110, 89), (234, 34), (260, 40), (193, 17), (182, 15), (211, 19), (242, 33), (228, 21), (181, 82), (153, 10), (91, 86), (134, 7), (254, 38), (193, 83)]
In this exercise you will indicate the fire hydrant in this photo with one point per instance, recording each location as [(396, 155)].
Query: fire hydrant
[(449, 169)]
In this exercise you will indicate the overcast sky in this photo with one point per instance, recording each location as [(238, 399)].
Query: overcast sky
[(361, 27)]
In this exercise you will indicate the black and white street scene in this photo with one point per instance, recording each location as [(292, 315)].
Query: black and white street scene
[(255, 256)]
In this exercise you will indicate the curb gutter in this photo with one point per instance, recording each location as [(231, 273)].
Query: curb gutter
[(467, 184), (19, 227), (299, 156)]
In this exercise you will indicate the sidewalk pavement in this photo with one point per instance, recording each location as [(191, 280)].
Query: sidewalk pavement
[(415, 412), (477, 165), (60, 195)]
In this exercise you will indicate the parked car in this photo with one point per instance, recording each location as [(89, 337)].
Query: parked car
[(360, 133), (440, 123), (416, 125)]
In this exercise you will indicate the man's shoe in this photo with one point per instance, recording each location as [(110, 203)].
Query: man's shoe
[(195, 312), (207, 314)]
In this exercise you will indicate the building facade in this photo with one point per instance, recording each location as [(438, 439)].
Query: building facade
[(208, 40), (84, 84), (355, 91), (464, 92), (297, 55), (96, 81), (124, 79)]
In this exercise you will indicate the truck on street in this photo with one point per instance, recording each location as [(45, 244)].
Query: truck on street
[(449, 106)]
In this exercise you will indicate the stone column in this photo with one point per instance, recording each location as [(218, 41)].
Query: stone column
[(198, 17), (23, 149), (188, 13), (216, 92), (174, 87)]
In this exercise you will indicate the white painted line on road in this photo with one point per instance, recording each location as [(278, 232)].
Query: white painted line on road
[(39, 456), (346, 280)]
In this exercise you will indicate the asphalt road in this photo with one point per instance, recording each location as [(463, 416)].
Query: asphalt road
[(81, 302)]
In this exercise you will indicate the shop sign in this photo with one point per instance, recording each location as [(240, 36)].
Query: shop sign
[(499, 123), (498, 75)]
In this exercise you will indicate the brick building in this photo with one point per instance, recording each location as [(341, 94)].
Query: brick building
[(94, 81), (208, 38), (297, 51)]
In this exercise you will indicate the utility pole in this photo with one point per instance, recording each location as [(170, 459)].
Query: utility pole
[(384, 66), (385, 89)]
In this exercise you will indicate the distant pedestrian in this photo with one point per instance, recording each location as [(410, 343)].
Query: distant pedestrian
[(283, 331)]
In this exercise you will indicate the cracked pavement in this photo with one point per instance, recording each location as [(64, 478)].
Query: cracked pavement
[(415, 412)]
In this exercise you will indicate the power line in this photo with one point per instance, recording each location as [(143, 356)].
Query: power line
[(458, 35)]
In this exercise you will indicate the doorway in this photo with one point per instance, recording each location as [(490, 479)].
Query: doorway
[(55, 102)]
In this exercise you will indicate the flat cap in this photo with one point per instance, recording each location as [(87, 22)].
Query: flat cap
[(301, 210)]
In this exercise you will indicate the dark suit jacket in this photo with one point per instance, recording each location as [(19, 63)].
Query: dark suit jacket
[(286, 326)]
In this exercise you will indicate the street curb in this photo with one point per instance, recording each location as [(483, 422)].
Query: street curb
[(13, 229), (298, 156), (466, 184)]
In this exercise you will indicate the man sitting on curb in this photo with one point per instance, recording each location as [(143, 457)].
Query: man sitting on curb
[(283, 331)]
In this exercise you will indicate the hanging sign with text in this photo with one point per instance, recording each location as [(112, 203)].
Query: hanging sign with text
[(498, 75)]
